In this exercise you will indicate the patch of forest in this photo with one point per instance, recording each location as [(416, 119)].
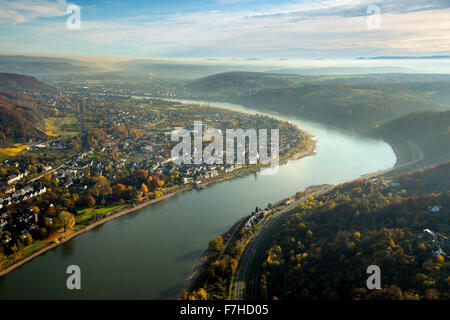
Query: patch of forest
[(326, 244), (429, 130)]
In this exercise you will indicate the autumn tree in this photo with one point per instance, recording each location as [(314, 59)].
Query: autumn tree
[(50, 211), (90, 201), (154, 183), (142, 175), (119, 191), (66, 220), (47, 179), (199, 294), (216, 244)]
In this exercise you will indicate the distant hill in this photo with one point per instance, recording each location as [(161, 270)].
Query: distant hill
[(357, 102), (159, 69), (353, 106), (179, 70), (429, 130), (344, 70), (16, 82), (405, 57), (242, 82), (223, 83), (38, 66)]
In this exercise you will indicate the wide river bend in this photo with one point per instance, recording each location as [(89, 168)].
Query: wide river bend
[(147, 254)]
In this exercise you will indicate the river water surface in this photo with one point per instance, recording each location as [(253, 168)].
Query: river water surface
[(148, 254)]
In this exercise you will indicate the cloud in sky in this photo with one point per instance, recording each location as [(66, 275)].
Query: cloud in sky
[(231, 28), (14, 11)]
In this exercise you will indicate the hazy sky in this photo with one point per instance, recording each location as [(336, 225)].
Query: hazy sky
[(227, 28)]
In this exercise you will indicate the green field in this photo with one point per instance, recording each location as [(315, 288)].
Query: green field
[(55, 126), (87, 214)]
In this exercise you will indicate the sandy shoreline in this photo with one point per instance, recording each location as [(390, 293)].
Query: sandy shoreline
[(65, 238)]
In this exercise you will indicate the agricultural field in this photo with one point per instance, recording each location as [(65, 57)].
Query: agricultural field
[(10, 152), (61, 127)]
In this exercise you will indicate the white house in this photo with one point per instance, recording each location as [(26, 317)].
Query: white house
[(429, 234), (438, 252), (289, 201), (435, 208), (13, 178)]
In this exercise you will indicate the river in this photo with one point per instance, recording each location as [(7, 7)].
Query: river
[(147, 254)]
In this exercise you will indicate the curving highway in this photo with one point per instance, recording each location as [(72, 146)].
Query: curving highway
[(247, 279)]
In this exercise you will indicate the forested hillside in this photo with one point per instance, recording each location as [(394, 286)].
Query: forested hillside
[(240, 83), (326, 245), (17, 83), (21, 111), (429, 130), (350, 106), (433, 179), (20, 118), (359, 101)]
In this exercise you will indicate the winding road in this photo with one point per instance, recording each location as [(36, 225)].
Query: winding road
[(249, 269), (250, 264)]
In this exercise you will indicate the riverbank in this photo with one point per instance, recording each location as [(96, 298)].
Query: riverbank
[(405, 155), (241, 271), (406, 151), (210, 257), (191, 279), (199, 265), (67, 236)]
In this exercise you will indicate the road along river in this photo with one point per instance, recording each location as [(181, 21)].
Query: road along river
[(148, 254)]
